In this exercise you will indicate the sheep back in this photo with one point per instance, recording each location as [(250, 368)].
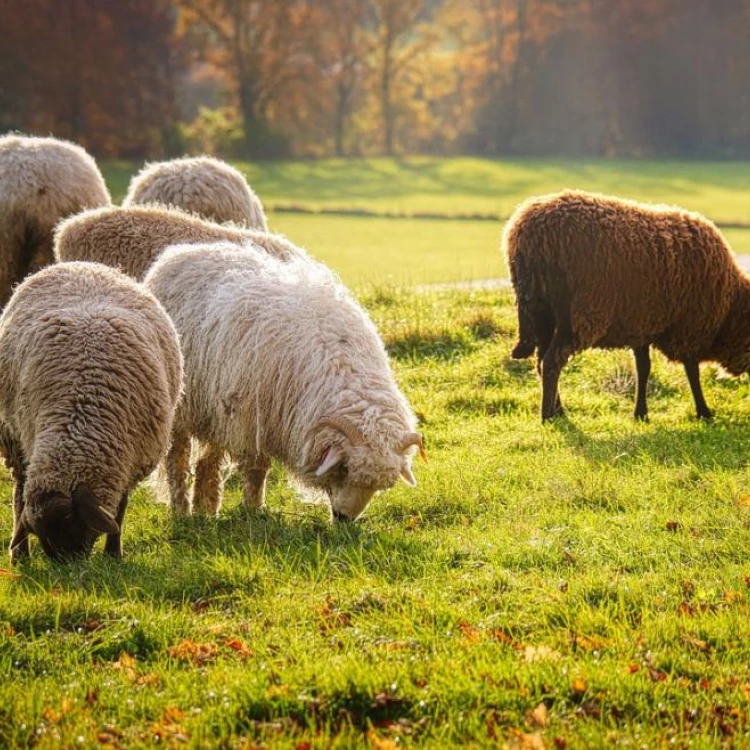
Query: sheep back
[(205, 186), (131, 238), (90, 375), (42, 180), (271, 347)]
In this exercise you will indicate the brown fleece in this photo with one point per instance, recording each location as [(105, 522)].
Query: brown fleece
[(596, 271)]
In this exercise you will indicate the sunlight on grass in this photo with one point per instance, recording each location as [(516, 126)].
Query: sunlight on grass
[(594, 567)]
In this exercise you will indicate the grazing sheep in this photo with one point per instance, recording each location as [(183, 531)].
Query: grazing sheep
[(280, 362), (595, 271), (204, 186), (90, 375), (42, 180), (131, 238)]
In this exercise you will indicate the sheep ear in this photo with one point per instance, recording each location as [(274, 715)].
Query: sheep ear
[(408, 476), (91, 512), (331, 457)]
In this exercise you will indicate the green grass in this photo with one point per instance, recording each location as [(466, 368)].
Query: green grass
[(579, 585), (368, 251)]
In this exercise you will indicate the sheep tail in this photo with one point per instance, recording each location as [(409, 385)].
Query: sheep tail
[(522, 277)]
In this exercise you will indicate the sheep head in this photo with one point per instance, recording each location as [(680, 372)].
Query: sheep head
[(353, 470), (67, 525)]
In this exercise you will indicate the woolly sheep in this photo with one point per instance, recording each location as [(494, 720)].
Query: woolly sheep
[(204, 186), (131, 238), (41, 181), (90, 375), (280, 362), (596, 271)]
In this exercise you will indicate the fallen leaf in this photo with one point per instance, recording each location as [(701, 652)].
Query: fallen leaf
[(744, 502), (538, 717), (5, 573), (471, 633), (519, 740), (238, 645), (332, 617), (579, 686), (502, 637), (633, 668), (657, 675), (193, 653), (673, 526), (380, 743)]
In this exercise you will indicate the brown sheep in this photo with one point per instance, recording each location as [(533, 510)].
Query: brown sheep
[(595, 271)]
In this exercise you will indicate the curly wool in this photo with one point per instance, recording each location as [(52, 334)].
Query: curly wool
[(301, 349), (132, 238), (90, 376), (205, 186), (42, 180), (603, 272), (626, 274)]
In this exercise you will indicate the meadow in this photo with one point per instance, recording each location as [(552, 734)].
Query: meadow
[(582, 584)]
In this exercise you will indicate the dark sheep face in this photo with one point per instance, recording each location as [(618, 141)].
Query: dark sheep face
[(61, 531), (68, 525)]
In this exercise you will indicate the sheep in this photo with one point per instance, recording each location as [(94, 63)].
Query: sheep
[(90, 376), (41, 181), (131, 238), (596, 271), (204, 186), (280, 363)]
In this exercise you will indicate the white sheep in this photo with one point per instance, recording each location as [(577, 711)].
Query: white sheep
[(131, 238), (280, 362), (90, 375), (205, 186), (42, 180)]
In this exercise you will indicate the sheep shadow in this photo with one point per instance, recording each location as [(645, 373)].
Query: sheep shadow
[(719, 444), (198, 560)]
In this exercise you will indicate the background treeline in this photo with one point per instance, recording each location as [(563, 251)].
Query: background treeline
[(358, 77)]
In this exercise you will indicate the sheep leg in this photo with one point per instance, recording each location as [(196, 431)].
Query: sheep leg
[(555, 358), (544, 332), (207, 486), (642, 372), (113, 545), (178, 469), (21, 550), (694, 378), (14, 460), (254, 472)]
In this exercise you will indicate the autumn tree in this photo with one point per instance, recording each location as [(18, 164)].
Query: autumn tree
[(257, 43)]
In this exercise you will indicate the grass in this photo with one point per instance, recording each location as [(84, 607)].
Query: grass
[(584, 584), (579, 585), (367, 251)]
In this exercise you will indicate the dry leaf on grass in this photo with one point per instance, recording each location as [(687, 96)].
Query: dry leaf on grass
[(538, 717)]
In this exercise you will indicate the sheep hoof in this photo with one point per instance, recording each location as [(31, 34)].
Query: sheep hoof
[(705, 415), (641, 416), (522, 350)]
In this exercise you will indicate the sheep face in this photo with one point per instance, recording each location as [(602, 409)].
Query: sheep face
[(67, 525), (353, 471)]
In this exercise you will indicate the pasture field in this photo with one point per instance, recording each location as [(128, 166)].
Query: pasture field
[(584, 584), (367, 251)]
